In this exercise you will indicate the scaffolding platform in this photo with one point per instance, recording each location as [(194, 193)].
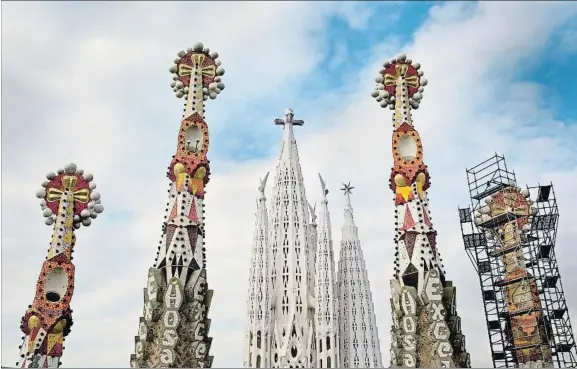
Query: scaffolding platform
[(538, 248)]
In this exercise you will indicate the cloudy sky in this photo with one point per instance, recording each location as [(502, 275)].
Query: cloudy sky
[(88, 82)]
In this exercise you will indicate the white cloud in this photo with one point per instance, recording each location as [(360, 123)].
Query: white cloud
[(91, 86)]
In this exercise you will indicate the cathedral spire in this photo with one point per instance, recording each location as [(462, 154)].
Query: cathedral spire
[(426, 328), (174, 329), (292, 249), (68, 200), (359, 337), (258, 329), (326, 310)]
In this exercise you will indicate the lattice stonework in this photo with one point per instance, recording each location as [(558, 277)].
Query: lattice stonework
[(173, 331), (426, 328), (289, 333), (68, 200), (359, 338), (257, 348), (326, 307)]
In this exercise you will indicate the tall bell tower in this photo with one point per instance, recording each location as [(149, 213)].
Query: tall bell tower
[(173, 331)]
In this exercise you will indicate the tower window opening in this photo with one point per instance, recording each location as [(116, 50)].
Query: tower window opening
[(328, 343), (258, 361), (328, 362), (56, 284), (258, 339), (53, 297)]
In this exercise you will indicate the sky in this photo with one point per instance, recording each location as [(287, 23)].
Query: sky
[(88, 82)]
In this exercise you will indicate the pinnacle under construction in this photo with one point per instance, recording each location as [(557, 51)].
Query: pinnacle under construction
[(173, 332), (510, 235), (359, 339), (426, 329), (68, 200)]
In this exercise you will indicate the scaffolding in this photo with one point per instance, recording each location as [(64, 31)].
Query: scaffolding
[(518, 273)]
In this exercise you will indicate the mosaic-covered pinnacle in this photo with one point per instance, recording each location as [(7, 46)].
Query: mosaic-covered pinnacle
[(197, 69), (395, 73), (87, 202)]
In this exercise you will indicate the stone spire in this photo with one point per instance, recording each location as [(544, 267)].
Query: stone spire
[(257, 335), (68, 200), (173, 333), (292, 302), (359, 338), (426, 327), (326, 311)]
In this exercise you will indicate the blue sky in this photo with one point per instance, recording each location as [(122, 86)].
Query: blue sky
[(348, 46), (345, 47), (97, 92)]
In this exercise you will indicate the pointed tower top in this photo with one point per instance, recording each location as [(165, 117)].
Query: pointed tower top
[(400, 85), (263, 185), (348, 191), (196, 76), (323, 187)]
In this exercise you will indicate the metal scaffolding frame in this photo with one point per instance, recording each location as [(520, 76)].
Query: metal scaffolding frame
[(544, 266), (537, 246)]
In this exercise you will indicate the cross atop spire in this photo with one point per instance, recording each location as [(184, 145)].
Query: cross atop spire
[(288, 119)]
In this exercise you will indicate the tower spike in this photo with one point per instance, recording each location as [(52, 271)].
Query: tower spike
[(359, 337), (258, 329), (289, 141), (422, 300), (174, 329), (326, 308), (292, 239), (68, 201)]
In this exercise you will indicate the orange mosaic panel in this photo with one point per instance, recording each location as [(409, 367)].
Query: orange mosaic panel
[(408, 169), (48, 310)]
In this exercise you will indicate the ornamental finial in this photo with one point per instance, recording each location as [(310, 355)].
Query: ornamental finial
[(399, 77), (347, 188), (74, 182), (196, 75)]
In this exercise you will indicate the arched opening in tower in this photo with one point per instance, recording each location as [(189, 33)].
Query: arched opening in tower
[(407, 147), (193, 138), (55, 285)]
